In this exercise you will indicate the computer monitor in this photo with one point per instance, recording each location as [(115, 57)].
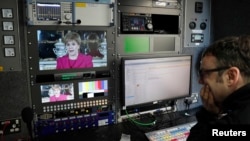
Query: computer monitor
[(150, 80)]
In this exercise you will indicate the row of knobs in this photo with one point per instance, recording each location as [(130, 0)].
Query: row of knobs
[(203, 25)]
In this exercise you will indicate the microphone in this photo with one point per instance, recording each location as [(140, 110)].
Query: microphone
[(27, 116)]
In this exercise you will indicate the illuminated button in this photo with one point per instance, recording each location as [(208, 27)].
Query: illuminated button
[(17, 129)]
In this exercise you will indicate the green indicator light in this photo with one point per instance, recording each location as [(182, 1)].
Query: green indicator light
[(68, 76)]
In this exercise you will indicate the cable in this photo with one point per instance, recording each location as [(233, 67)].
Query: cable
[(188, 102), (140, 123)]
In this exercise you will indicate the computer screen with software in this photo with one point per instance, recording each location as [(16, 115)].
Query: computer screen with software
[(153, 79)]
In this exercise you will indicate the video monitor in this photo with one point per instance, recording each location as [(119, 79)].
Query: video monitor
[(67, 49), (93, 89), (57, 92), (154, 79), (56, 53)]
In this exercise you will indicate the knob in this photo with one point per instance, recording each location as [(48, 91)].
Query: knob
[(78, 21), (67, 16), (149, 26), (203, 26), (192, 25)]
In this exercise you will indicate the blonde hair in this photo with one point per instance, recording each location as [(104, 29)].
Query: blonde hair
[(56, 86)]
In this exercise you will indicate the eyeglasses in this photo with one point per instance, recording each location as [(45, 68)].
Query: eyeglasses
[(202, 72)]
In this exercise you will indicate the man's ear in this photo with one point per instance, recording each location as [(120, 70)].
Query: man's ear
[(233, 76)]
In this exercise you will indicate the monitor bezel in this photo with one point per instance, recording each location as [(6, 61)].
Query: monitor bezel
[(33, 52)]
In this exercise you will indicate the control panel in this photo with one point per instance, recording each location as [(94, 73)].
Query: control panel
[(197, 23), (50, 13), (175, 133), (148, 27), (70, 13), (135, 22), (10, 56), (72, 120)]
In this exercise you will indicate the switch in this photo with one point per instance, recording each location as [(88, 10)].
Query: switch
[(198, 7), (8, 25), (7, 13), (9, 40)]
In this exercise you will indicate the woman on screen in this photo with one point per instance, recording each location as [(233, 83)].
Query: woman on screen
[(74, 58), (55, 94)]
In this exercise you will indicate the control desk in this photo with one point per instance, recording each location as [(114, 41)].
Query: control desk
[(127, 129)]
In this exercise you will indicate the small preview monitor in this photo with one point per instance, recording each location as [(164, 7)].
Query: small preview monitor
[(57, 92), (93, 89)]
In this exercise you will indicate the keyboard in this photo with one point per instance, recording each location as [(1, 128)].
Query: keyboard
[(175, 133)]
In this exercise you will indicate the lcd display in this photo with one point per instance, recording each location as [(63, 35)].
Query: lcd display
[(57, 92), (137, 22), (93, 89), (71, 49), (149, 80)]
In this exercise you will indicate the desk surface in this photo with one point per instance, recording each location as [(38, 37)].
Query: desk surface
[(114, 132)]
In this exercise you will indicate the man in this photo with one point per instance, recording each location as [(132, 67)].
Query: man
[(225, 76)]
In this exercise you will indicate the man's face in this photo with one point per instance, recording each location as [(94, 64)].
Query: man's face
[(209, 76)]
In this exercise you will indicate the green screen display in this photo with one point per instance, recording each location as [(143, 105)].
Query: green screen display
[(134, 44)]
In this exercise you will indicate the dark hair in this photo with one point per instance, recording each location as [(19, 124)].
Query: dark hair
[(232, 51)]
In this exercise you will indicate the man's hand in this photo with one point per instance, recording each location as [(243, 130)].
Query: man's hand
[(208, 100)]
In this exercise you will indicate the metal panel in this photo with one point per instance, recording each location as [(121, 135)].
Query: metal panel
[(10, 56), (197, 23)]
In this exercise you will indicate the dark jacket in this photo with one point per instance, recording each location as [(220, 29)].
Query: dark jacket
[(236, 114)]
